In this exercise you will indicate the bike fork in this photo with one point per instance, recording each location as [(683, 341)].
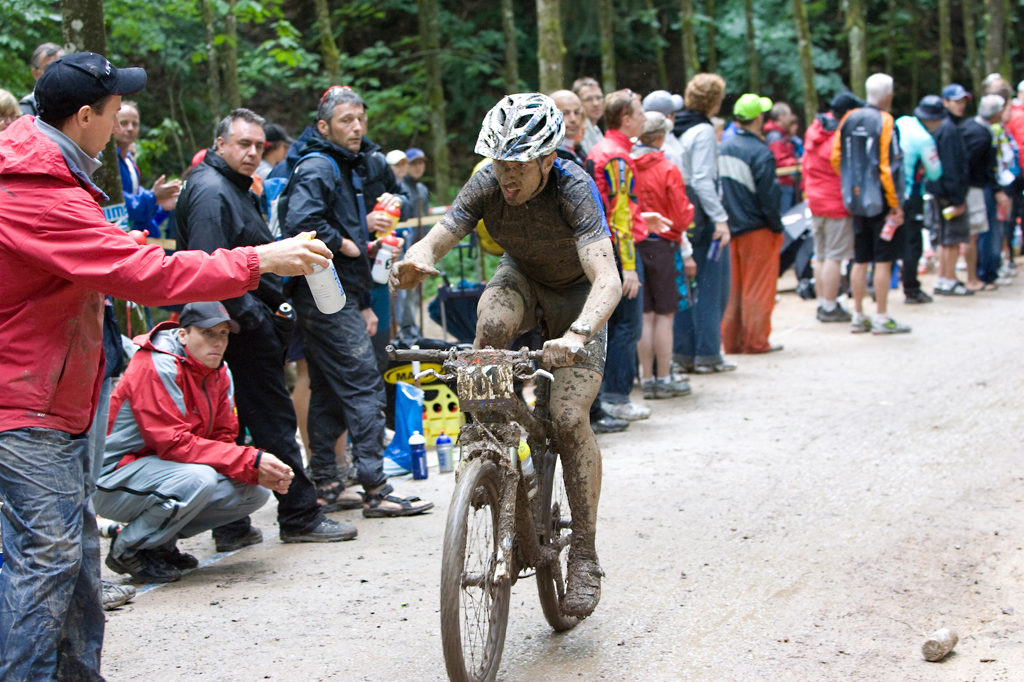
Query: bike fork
[(506, 527)]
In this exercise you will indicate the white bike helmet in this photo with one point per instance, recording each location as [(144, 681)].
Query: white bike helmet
[(521, 127)]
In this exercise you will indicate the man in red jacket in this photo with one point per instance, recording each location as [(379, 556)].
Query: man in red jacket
[(171, 468), (57, 254), (832, 224)]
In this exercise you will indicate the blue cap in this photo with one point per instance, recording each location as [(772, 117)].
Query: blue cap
[(413, 153), (955, 91)]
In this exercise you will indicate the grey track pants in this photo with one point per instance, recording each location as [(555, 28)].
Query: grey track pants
[(160, 501)]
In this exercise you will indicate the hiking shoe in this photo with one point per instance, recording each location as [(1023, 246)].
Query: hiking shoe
[(582, 585), (723, 366), (229, 541), (115, 595), (671, 389), (918, 296), (837, 314), (143, 567), (860, 324), (327, 530), (609, 424), (170, 554), (631, 412), (648, 388), (957, 289), (890, 326)]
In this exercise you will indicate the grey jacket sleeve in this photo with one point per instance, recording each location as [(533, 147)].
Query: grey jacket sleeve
[(703, 152)]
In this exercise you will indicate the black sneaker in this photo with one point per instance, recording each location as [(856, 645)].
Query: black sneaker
[(143, 567), (228, 542), (915, 297), (837, 314), (328, 530), (170, 554), (609, 424)]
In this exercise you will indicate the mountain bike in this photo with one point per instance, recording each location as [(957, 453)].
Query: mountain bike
[(501, 524)]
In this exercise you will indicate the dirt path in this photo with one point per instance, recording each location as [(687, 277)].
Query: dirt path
[(812, 516)]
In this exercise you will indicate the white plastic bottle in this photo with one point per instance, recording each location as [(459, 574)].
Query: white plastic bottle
[(326, 289), (382, 263), (526, 464)]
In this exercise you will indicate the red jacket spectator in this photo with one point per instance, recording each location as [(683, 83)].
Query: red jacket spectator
[(660, 188), (170, 405), (779, 142), (51, 359), (822, 185)]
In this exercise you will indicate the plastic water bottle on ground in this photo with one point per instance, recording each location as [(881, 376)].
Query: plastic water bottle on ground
[(418, 455), (443, 445)]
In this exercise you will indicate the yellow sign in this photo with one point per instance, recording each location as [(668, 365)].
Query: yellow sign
[(404, 373)]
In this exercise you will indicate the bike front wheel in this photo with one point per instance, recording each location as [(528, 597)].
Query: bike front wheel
[(474, 604), (556, 533)]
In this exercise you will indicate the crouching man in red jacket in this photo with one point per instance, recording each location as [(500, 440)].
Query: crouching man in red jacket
[(171, 468)]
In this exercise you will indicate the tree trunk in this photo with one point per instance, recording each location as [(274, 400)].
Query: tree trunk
[(213, 66), (229, 52), (803, 34), (945, 45), (328, 48), (606, 19), (550, 48), (709, 9), (83, 29), (971, 37), (508, 27), (995, 33), (754, 68), (430, 41), (659, 51), (890, 49), (858, 51), (691, 62)]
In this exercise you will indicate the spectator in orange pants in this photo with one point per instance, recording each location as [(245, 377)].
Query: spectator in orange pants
[(755, 270), (751, 198)]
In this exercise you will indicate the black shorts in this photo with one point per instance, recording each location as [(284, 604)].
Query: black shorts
[(868, 245), (659, 258), (954, 231)]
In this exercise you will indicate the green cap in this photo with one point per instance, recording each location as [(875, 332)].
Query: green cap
[(749, 105)]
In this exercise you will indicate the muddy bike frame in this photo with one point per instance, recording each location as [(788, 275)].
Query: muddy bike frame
[(527, 529)]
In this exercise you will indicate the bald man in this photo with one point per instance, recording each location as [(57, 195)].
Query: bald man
[(572, 113)]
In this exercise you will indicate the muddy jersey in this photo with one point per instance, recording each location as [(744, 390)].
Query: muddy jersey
[(544, 235)]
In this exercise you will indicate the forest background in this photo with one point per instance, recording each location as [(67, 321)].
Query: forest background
[(430, 69)]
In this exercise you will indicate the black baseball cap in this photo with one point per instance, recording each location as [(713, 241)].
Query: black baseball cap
[(844, 102), (82, 78), (205, 315), (930, 108)]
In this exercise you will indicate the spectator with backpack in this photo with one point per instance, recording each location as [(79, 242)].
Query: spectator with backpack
[(866, 153)]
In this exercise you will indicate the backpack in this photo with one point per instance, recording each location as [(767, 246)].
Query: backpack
[(275, 189)]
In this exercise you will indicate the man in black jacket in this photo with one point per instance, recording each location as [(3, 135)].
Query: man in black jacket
[(328, 192), (751, 197), (217, 210)]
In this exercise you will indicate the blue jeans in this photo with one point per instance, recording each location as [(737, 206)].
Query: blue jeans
[(990, 244), (625, 327), (697, 331), (51, 616)]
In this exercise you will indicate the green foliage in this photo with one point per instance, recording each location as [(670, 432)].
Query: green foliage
[(155, 144), (26, 24)]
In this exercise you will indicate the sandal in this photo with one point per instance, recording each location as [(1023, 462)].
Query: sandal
[(372, 508), (331, 497)]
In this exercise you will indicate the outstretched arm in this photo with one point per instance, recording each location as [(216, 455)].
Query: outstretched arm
[(419, 260)]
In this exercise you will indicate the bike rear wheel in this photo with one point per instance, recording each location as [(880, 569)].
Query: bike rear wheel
[(474, 607), (555, 529)]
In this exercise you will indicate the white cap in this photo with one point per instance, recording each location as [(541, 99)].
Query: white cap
[(395, 156)]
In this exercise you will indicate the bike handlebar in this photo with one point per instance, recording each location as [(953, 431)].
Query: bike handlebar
[(441, 355)]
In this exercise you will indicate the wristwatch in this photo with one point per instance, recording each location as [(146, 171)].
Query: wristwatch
[(581, 328)]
